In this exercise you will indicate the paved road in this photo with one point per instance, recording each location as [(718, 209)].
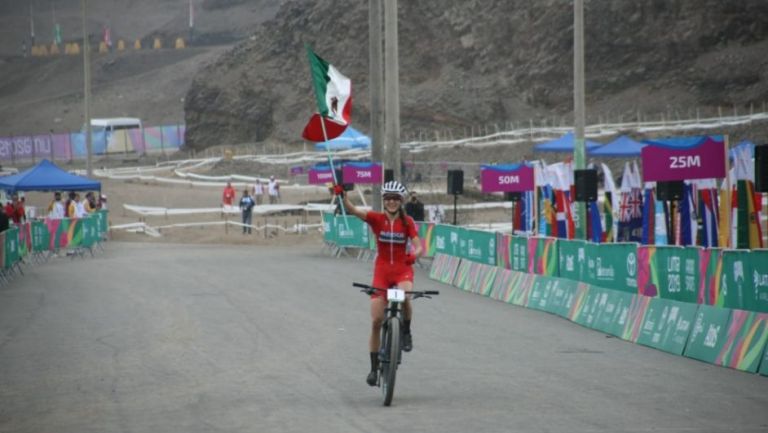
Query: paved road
[(180, 338)]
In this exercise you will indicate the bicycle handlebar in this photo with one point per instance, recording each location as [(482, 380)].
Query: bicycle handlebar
[(416, 294)]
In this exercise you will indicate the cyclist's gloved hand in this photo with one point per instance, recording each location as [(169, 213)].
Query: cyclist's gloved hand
[(338, 190), (410, 259)]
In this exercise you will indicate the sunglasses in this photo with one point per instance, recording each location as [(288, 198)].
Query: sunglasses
[(392, 197)]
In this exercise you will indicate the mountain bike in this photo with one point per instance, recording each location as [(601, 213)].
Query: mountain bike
[(390, 350)]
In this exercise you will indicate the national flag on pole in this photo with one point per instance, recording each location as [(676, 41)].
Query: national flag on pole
[(594, 228), (649, 217), (687, 217), (610, 205), (660, 223), (709, 217), (625, 208), (333, 94)]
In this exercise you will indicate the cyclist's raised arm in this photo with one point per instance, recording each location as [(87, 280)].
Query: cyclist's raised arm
[(352, 210)]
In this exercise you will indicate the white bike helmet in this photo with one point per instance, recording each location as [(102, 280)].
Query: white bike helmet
[(394, 187)]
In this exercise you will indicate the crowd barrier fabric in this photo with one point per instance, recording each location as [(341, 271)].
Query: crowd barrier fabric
[(745, 342), (707, 336)]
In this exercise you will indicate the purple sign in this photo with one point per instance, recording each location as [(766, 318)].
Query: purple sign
[(320, 177), (507, 178), (362, 173), (683, 159), (297, 170)]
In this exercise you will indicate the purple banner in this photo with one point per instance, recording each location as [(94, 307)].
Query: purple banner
[(665, 161), (507, 178), (297, 170), (362, 173), (319, 177)]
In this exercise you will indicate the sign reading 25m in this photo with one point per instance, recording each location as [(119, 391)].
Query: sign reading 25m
[(683, 158)]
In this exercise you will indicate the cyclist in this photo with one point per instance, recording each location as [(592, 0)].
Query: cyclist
[(394, 265)]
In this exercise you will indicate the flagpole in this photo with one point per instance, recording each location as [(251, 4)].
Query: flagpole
[(333, 171), (729, 243)]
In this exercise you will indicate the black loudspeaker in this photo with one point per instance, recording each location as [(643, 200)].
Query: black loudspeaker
[(340, 180), (671, 190), (586, 184), (513, 196), (761, 168), (455, 182), (389, 175)]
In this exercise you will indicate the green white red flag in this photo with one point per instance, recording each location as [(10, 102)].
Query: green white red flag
[(333, 94)]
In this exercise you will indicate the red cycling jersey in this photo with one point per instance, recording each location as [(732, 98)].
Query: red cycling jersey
[(391, 237)]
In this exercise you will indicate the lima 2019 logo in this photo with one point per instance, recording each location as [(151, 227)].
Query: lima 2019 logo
[(631, 264)]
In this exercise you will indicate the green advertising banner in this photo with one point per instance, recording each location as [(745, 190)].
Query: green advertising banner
[(667, 324), (572, 259), (542, 256), (561, 297), (90, 235), (40, 236), (351, 232), (676, 272), (478, 246), (764, 364), (635, 318), (735, 283), (328, 228), (577, 302), (504, 250), (613, 308), (522, 290), (102, 222), (426, 230), (539, 296), (462, 274), (612, 266), (447, 240), (758, 301), (746, 340), (11, 247), (519, 253), (709, 333), (481, 279)]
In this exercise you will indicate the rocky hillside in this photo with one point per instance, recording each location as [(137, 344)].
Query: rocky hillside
[(465, 62)]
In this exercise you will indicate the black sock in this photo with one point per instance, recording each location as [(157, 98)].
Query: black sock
[(406, 326), (374, 361)]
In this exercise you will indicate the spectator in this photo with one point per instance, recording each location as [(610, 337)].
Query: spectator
[(228, 197), (103, 202), (56, 207), (17, 210), (71, 206), (246, 206), (79, 207), (258, 191), (9, 209), (273, 188), (415, 208), (89, 204)]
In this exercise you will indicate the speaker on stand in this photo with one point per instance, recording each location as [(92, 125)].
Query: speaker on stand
[(389, 175), (455, 187), (670, 193), (586, 185), (761, 168), (514, 197)]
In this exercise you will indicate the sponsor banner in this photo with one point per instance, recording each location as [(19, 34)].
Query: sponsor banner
[(480, 279), (447, 239), (667, 324), (444, 268), (350, 231), (710, 275), (506, 178), (542, 256), (329, 227), (745, 341), (669, 272), (426, 235), (502, 284), (362, 172), (576, 304), (699, 159), (504, 250), (478, 246), (758, 301), (612, 266), (297, 170), (522, 289), (708, 336), (11, 243), (613, 307), (40, 236), (519, 254), (462, 274), (90, 235), (561, 296), (736, 279), (635, 318), (572, 259)]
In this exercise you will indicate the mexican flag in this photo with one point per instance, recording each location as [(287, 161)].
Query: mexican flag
[(333, 93)]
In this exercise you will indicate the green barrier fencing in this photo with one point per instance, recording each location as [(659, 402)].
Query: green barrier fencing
[(542, 256), (735, 281), (90, 231), (635, 318), (667, 325), (426, 235), (502, 284), (521, 290), (759, 264), (447, 240), (746, 339), (669, 272), (613, 266), (613, 308), (102, 222), (11, 247), (764, 365), (572, 258), (329, 225), (707, 340), (503, 250), (41, 238), (444, 268), (462, 274), (480, 246), (519, 254)]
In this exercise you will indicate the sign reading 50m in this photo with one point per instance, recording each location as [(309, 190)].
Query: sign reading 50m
[(506, 178)]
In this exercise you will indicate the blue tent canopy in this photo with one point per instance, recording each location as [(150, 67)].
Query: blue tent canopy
[(563, 144), (745, 144), (620, 147), (683, 142), (351, 138), (47, 176)]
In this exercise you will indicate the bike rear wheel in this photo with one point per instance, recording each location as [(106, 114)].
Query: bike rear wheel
[(389, 368)]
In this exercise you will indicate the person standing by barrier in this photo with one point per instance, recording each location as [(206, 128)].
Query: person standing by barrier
[(103, 202), (71, 206), (89, 204), (79, 207), (273, 188), (415, 208), (56, 207), (228, 196), (18, 215), (258, 192), (246, 206)]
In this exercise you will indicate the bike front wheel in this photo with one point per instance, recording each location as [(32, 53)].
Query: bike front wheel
[(389, 367)]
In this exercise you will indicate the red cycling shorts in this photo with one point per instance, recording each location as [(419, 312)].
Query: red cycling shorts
[(388, 275)]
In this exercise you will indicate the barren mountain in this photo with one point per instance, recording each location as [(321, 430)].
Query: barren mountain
[(473, 62)]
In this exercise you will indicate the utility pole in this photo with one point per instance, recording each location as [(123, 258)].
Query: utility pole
[(376, 89), (392, 89), (579, 108), (87, 93)]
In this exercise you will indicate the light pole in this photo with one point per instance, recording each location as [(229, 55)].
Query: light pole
[(87, 93), (392, 88), (579, 108), (376, 89)]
